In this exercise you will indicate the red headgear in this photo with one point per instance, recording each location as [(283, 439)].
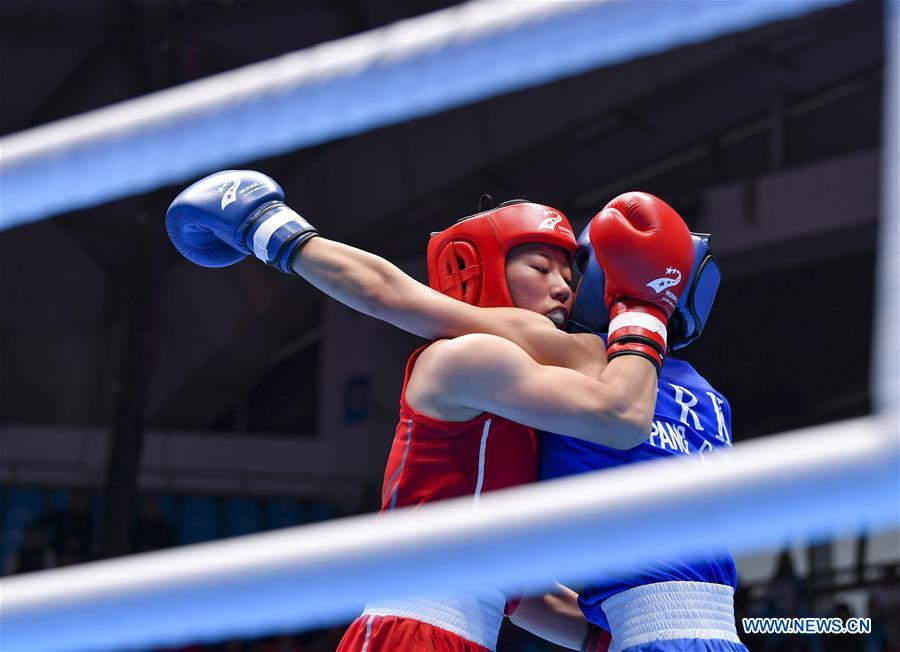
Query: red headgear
[(468, 260)]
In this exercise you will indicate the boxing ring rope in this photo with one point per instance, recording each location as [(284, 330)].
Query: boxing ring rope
[(807, 484), (401, 71)]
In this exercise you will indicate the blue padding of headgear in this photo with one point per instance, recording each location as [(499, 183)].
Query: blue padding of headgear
[(695, 304), (589, 311)]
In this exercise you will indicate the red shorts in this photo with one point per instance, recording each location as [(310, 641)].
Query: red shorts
[(392, 633)]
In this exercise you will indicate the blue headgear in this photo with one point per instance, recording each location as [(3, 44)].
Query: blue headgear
[(589, 311)]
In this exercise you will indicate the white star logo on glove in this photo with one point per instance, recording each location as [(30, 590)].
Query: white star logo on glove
[(663, 282)]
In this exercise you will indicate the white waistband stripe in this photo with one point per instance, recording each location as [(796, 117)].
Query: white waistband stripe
[(668, 611), (476, 619)]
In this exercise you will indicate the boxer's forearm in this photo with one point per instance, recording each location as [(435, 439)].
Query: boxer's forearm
[(635, 382), (555, 617), (375, 287), (365, 282)]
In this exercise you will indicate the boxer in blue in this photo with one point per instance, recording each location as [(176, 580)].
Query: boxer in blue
[(667, 605)]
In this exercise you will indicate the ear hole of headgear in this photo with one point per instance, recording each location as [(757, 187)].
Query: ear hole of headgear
[(702, 295), (581, 259), (460, 270), (579, 265), (690, 317)]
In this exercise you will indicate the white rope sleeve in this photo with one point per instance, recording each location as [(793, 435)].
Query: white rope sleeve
[(806, 484)]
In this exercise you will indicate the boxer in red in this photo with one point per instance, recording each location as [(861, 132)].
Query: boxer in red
[(469, 405)]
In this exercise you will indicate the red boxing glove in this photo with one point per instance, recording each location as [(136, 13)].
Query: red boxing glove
[(646, 252)]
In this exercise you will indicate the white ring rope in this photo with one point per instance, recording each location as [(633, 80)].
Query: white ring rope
[(401, 71), (805, 484)]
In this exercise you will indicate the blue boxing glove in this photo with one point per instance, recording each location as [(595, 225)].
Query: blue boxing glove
[(226, 216)]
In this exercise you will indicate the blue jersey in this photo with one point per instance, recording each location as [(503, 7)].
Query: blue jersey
[(691, 418)]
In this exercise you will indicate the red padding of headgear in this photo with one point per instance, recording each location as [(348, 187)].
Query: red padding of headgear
[(468, 260), (460, 271)]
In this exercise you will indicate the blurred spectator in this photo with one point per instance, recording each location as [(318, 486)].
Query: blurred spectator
[(878, 639), (33, 555), (884, 610), (787, 593), (786, 597), (743, 608), (843, 642), (152, 531), (70, 529)]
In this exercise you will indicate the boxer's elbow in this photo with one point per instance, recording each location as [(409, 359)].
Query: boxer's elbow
[(627, 435), (400, 305), (383, 297), (629, 421), (360, 295), (376, 300)]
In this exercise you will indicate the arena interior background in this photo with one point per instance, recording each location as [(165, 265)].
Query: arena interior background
[(241, 400)]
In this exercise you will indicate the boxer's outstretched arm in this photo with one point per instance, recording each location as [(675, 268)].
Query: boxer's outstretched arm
[(229, 215), (555, 617), (373, 286), (460, 378)]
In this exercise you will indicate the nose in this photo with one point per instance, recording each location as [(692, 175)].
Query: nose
[(560, 290)]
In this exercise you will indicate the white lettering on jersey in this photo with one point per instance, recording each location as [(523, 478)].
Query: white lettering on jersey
[(676, 434), (664, 440), (668, 437), (680, 393), (723, 433), (705, 447)]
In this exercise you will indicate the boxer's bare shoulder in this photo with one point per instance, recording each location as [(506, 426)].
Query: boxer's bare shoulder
[(543, 341)]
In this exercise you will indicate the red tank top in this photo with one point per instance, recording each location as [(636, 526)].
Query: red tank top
[(432, 459)]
